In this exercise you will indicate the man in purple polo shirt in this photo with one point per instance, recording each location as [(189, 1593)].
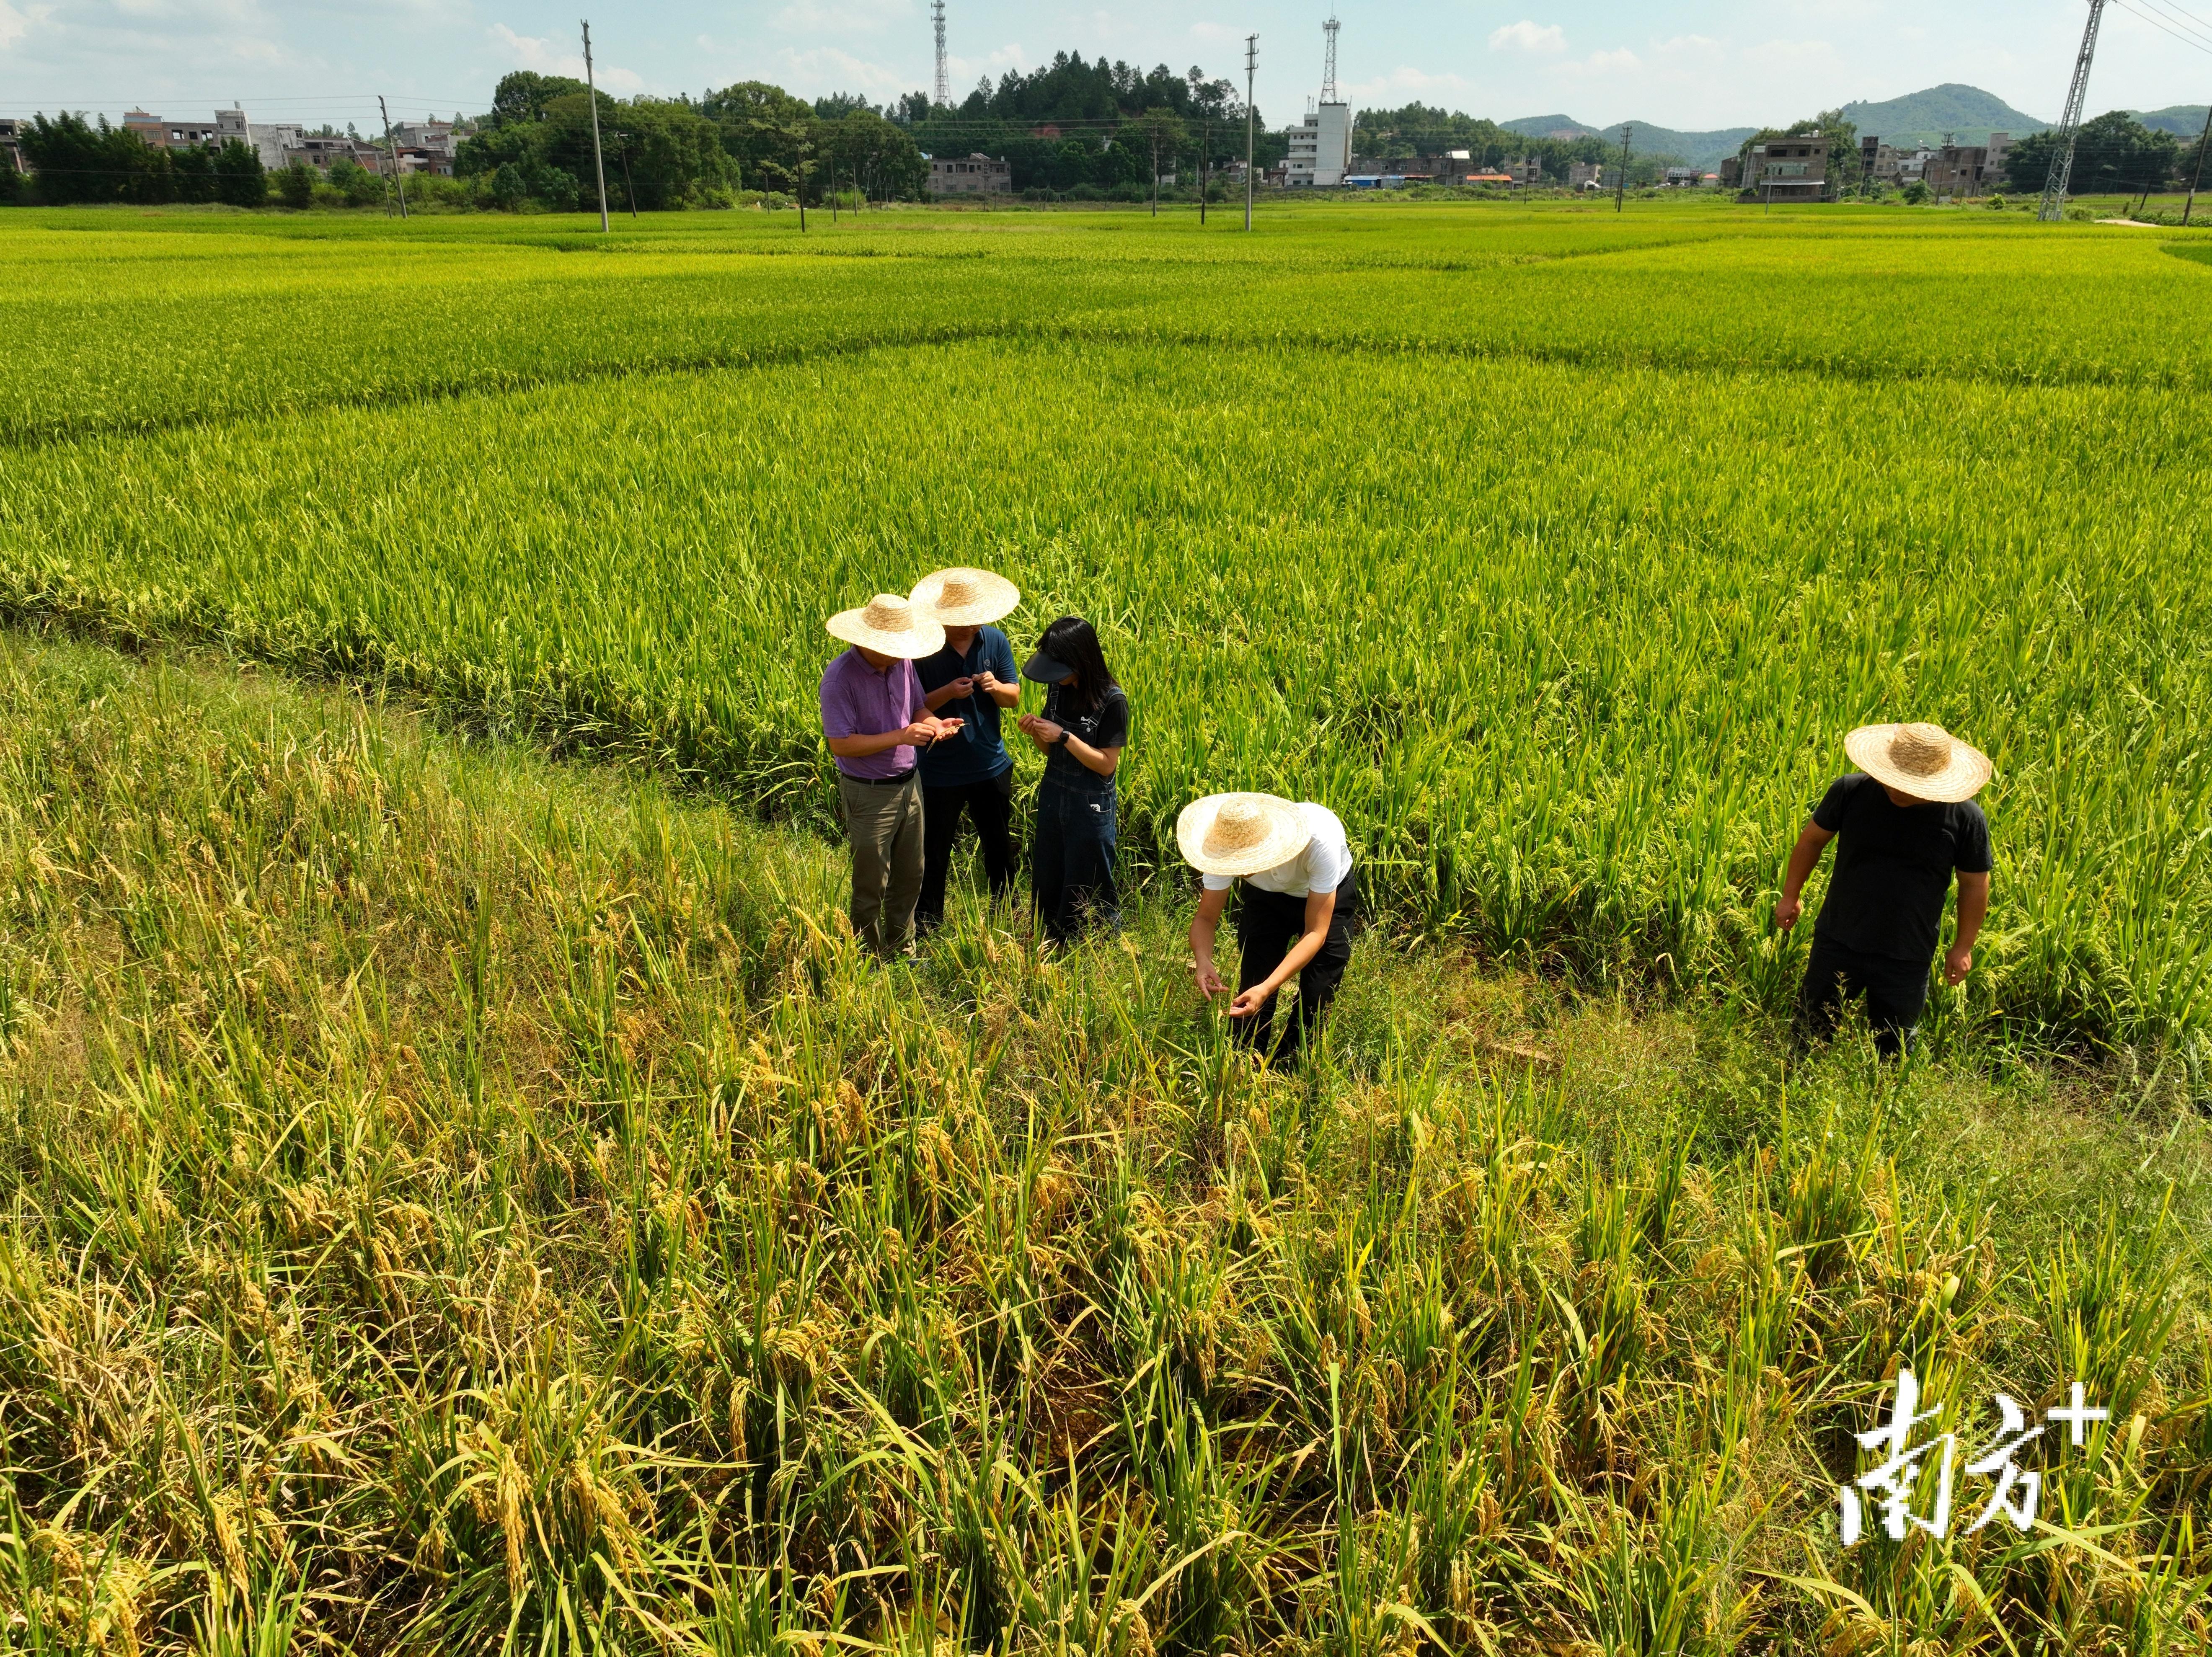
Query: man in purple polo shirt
[(874, 718)]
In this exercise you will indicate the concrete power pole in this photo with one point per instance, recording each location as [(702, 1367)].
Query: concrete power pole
[(598, 163), (2053, 206), (398, 179), (2198, 178), (1251, 65), (1620, 184), (943, 81)]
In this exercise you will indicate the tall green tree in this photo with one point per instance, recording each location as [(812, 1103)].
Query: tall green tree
[(76, 161), (2113, 155), (239, 178), (295, 185), (762, 127), (520, 98)]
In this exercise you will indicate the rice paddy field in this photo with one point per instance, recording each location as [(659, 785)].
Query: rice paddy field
[(465, 1192)]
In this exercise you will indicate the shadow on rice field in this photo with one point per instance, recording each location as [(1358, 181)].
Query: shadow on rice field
[(460, 1203)]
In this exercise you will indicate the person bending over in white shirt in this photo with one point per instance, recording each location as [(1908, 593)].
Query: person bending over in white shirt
[(1294, 919)]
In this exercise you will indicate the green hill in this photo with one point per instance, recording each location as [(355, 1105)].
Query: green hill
[(1696, 148), (1543, 126), (2186, 120), (1968, 113)]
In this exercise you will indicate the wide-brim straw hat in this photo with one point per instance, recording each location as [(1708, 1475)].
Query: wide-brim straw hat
[(1924, 760), (889, 626), (1240, 834), (966, 598)]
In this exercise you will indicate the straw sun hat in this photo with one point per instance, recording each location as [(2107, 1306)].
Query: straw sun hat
[(890, 626), (965, 598), (1240, 834), (1924, 760)]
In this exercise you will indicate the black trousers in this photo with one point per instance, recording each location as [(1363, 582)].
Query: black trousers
[(1895, 993), (1267, 924), (1071, 854), (989, 805)]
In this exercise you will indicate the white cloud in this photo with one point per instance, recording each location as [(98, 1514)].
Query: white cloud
[(1787, 54), (830, 66), (1599, 64), (844, 16), (1406, 82), (1528, 36), (1010, 56), (536, 52), (15, 25)]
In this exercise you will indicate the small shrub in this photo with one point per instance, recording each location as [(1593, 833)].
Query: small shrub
[(295, 185)]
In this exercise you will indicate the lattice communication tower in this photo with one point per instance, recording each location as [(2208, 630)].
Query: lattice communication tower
[(944, 83), (1329, 68), (2069, 123)]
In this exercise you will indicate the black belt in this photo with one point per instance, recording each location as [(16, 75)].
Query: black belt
[(880, 782)]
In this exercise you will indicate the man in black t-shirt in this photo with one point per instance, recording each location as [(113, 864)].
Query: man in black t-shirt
[(1903, 826)]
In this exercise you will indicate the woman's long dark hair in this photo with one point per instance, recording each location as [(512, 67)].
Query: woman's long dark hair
[(1073, 641)]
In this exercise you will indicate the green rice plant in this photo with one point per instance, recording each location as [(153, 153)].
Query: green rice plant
[(1573, 712), (643, 1268)]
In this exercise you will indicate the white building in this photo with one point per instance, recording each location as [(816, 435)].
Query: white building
[(270, 143), (975, 174), (1321, 148)]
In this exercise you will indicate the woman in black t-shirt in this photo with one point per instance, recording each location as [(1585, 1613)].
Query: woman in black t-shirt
[(1081, 733)]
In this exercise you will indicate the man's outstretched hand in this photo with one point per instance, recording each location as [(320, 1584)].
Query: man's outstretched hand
[(1958, 962), (1786, 911)]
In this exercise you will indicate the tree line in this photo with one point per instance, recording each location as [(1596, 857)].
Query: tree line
[(73, 161), (1072, 128), (1400, 134)]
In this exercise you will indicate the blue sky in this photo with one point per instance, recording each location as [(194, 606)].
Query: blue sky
[(1688, 63)]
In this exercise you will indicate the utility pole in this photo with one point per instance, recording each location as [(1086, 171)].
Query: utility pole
[(2197, 177), (1251, 64), (802, 182), (599, 163), (629, 188), (398, 179), (2053, 205), (1620, 184), (1205, 141)]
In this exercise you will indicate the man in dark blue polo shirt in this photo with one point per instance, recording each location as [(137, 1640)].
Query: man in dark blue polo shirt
[(972, 678), (1902, 826)]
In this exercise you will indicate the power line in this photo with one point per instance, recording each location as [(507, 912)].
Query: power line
[(2174, 6), (2185, 39), (2180, 17)]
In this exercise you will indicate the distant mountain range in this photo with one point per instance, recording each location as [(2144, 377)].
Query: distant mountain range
[(1699, 150), (2186, 119), (1966, 114)]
